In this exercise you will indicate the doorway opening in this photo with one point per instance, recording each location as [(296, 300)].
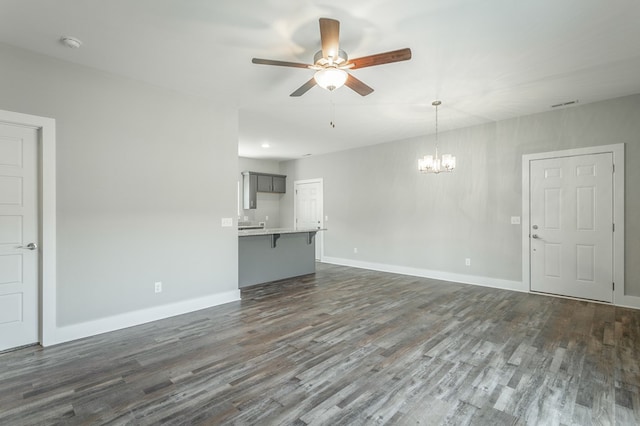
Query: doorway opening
[(308, 209)]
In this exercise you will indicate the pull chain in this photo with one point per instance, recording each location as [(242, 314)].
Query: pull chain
[(332, 112)]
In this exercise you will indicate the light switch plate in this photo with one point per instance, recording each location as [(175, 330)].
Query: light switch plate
[(515, 220), (227, 221)]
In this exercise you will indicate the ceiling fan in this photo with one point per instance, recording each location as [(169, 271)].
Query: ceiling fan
[(331, 63)]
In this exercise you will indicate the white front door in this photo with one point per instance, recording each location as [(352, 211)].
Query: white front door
[(571, 235), (308, 208), (18, 233)]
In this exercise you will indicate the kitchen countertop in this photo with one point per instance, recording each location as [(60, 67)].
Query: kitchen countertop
[(272, 231)]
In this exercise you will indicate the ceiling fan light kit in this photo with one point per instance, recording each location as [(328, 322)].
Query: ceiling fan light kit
[(330, 78), (331, 63), (435, 164)]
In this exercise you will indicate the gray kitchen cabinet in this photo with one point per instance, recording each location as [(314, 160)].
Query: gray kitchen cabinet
[(249, 190), (265, 183), (253, 182), (279, 184)]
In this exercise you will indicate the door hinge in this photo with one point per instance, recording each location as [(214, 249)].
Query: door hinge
[(613, 286), (614, 168), (614, 227)]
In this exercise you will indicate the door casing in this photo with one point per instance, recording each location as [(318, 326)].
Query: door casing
[(617, 150)]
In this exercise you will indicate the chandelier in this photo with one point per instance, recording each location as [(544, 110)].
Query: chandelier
[(431, 164)]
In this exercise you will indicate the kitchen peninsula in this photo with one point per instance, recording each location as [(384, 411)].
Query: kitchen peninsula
[(266, 255)]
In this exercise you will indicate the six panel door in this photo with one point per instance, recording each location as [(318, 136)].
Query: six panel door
[(571, 235)]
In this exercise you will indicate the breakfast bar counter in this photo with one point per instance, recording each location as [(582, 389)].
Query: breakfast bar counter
[(266, 255)]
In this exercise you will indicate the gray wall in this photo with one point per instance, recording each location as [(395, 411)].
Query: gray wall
[(144, 177), (378, 202), (267, 205)]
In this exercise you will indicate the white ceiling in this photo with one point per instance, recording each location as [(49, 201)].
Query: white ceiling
[(486, 60)]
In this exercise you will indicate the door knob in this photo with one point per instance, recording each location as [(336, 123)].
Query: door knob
[(535, 226), (535, 236), (30, 246)]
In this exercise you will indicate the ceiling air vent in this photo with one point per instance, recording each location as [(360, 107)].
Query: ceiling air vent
[(564, 104)]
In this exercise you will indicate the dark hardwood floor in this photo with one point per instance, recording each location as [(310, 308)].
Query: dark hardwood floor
[(345, 346)]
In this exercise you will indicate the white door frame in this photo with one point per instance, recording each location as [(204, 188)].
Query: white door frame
[(617, 150), (47, 216), (319, 235)]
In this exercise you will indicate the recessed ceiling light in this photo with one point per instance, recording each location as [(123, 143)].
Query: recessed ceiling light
[(265, 145), (71, 42)]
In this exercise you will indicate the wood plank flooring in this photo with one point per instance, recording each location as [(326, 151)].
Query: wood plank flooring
[(344, 347)]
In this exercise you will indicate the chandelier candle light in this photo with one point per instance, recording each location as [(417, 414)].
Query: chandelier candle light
[(431, 164)]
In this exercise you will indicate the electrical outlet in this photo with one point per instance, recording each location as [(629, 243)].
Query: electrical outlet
[(355, 250), (158, 287), (467, 262), (515, 220), (227, 221)]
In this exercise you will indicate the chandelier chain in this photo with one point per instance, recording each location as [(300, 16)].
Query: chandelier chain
[(436, 105)]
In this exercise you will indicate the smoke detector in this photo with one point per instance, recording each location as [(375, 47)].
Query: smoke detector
[(71, 42)]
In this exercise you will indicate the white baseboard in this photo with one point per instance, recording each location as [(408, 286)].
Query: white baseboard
[(626, 301), (129, 319), (623, 301), (427, 273)]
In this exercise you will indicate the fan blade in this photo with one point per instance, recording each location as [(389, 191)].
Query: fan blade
[(279, 63), (330, 37), (357, 86), (381, 58), (304, 88)]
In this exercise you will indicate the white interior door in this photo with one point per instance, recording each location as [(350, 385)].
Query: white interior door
[(308, 209), (18, 236), (571, 210)]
